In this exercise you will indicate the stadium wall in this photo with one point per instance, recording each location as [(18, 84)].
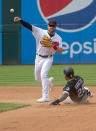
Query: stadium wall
[(76, 27), (0, 32)]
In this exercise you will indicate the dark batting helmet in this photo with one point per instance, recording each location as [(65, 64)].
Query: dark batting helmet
[(69, 72)]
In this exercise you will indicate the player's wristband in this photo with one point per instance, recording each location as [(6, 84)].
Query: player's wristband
[(57, 101), (55, 47), (56, 44)]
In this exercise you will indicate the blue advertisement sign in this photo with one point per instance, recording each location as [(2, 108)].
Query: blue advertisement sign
[(0, 32), (76, 24)]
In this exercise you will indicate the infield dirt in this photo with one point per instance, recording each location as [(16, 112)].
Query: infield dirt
[(41, 116)]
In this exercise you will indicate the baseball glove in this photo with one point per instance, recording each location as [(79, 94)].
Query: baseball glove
[(46, 42)]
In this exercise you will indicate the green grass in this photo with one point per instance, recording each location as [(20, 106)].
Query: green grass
[(8, 106), (24, 75)]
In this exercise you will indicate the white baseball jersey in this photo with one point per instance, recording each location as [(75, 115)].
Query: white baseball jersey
[(38, 34)]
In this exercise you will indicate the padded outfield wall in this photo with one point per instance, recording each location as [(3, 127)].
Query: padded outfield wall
[(76, 24), (0, 32)]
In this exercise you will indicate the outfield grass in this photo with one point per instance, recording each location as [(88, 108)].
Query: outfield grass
[(8, 106), (24, 75)]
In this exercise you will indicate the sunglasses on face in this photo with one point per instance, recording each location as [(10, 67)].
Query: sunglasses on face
[(52, 25)]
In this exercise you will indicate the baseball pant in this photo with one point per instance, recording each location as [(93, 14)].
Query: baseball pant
[(42, 67)]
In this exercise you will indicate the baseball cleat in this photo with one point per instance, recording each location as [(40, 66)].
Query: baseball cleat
[(41, 100), (51, 84), (90, 93)]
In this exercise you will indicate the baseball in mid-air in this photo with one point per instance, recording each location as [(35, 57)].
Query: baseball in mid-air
[(11, 10)]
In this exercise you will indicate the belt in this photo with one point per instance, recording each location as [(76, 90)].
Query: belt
[(44, 56)]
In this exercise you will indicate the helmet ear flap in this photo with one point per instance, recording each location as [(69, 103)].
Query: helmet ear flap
[(71, 75)]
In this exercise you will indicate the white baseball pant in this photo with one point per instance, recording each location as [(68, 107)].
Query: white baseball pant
[(42, 67)]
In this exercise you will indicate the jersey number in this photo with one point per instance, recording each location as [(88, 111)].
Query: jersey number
[(80, 92)]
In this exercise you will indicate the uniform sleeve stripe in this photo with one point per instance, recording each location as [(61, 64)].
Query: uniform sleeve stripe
[(66, 92)]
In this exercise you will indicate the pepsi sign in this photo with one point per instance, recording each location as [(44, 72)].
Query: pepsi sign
[(70, 15)]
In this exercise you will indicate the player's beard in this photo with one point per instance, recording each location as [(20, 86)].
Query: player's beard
[(51, 32)]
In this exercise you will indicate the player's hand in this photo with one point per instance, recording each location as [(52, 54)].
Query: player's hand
[(17, 19), (55, 102)]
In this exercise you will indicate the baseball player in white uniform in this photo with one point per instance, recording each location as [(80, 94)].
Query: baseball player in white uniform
[(44, 55)]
